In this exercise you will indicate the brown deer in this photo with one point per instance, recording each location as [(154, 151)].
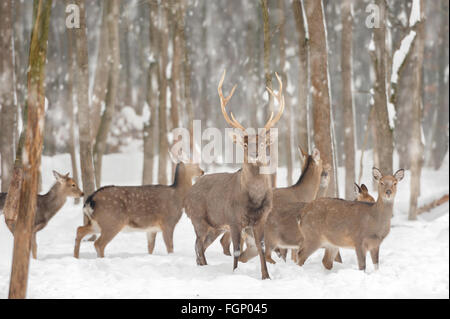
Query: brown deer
[(235, 201), (332, 223), (362, 194), (281, 229), (49, 204), (147, 208)]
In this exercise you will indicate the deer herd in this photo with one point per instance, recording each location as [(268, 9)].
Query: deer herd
[(242, 206)]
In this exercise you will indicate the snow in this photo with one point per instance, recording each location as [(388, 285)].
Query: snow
[(413, 258), (400, 55), (415, 13)]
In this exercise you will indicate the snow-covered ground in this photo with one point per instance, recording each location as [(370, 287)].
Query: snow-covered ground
[(414, 260)]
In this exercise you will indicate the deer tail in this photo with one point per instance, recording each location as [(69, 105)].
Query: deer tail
[(88, 207)]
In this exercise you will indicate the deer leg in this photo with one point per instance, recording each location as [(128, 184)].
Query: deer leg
[(308, 247), (250, 251), (151, 236), (211, 237), (294, 254), (33, 246), (329, 256), (258, 231), (361, 256), (81, 232), (225, 241), (268, 250), (281, 253), (104, 239), (236, 238), (167, 233), (374, 254), (338, 257), (201, 230)]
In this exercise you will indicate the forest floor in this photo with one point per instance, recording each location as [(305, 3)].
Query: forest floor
[(414, 258)]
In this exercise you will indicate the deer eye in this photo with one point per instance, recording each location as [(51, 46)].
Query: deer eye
[(381, 183), (73, 185)]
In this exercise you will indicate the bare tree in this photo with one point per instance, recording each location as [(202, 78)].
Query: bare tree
[(82, 89), (384, 139), (101, 73), (33, 148), (347, 96), (318, 56), (8, 113), (303, 48), (416, 146), (112, 8)]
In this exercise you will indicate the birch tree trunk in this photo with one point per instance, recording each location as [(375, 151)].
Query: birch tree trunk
[(347, 96), (33, 150), (319, 84), (82, 87)]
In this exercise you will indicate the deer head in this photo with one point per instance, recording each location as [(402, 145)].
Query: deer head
[(387, 185), (255, 145), (68, 185), (362, 193), (187, 167)]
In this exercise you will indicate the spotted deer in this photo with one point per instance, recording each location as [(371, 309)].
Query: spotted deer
[(49, 204), (332, 223), (147, 208), (235, 201)]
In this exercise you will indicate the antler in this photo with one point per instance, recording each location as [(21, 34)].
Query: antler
[(280, 98), (223, 103)]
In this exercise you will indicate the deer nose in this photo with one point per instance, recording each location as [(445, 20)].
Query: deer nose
[(388, 192)]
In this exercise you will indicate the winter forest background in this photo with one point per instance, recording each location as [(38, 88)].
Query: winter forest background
[(136, 69)]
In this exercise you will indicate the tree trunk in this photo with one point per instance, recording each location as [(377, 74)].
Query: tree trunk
[(288, 131), (162, 111), (150, 132), (347, 96), (8, 112), (101, 74), (416, 145), (71, 109), (84, 128), (303, 48), (385, 144), (320, 89), (112, 9), (268, 73), (33, 149), (440, 129)]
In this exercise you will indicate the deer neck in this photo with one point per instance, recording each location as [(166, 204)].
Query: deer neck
[(384, 208), (255, 184), (52, 201), (181, 183), (309, 181)]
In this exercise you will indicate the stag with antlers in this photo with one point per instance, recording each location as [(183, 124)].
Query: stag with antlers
[(235, 201)]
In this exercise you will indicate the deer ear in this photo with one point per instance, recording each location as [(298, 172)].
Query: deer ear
[(364, 188), (399, 174), (58, 176), (376, 174), (356, 189)]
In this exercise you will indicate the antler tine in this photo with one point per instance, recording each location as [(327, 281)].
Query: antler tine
[(280, 98), (223, 103)]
